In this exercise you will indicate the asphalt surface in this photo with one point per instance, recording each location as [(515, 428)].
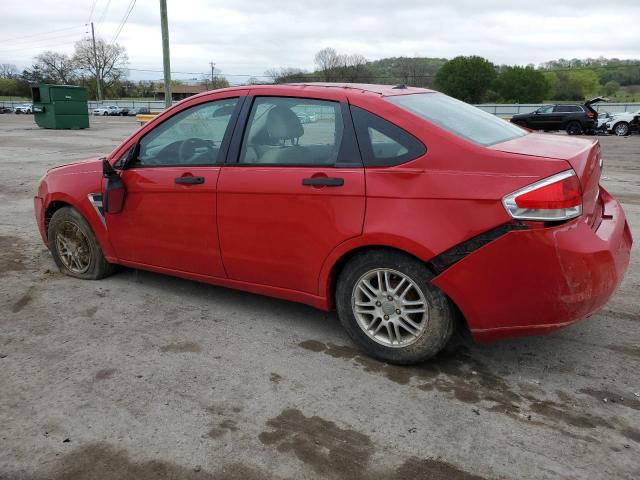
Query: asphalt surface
[(146, 376)]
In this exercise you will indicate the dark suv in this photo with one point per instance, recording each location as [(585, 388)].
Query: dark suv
[(575, 119)]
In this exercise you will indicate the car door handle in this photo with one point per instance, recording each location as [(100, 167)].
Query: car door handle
[(323, 181), (189, 180)]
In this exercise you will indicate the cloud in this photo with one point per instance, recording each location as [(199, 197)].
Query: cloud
[(250, 36)]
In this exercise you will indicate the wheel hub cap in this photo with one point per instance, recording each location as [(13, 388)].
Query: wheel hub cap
[(389, 307)]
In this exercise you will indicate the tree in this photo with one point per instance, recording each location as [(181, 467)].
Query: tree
[(109, 65), (8, 70), (286, 75), (466, 78), (521, 85), (55, 67), (574, 84), (611, 87), (327, 62)]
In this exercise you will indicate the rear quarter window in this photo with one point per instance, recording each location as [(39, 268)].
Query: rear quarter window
[(382, 143)]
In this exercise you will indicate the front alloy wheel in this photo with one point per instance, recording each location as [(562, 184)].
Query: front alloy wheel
[(73, 248)]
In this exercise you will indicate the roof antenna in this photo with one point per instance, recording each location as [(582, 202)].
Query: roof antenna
[(400, 86)]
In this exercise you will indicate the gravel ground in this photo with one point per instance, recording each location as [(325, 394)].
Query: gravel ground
[(145, 376)]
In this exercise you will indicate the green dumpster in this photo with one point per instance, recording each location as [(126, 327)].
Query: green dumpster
[(60, 106)]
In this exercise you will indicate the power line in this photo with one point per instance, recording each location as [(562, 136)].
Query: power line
[(41, 33), (124, 21), (104, 13), (93, 6), (40, 46), (40, 40)]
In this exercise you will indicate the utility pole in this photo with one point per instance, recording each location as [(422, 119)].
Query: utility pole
[(166, 64), (95, 61), (213, 67)]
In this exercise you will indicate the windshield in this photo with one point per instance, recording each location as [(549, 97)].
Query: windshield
[(459, 118)]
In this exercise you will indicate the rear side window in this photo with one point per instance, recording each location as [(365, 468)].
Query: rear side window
[(567, 108), (459, 118), (296, 132), (382, 143)]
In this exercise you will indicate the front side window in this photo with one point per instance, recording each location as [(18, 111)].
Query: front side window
[(459, 118), (293, 131), (545, 109), (191, 137)]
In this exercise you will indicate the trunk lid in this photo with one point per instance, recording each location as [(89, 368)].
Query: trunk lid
[(583, 155), (589, 105)]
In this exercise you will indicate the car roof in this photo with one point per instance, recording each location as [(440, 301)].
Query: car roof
[(311, 87)]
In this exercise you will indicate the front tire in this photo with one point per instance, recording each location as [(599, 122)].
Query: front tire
[(74, 246), (574, 128), (621, 129), (388, 306)]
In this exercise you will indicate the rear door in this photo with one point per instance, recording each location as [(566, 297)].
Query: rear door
[(294, 190)]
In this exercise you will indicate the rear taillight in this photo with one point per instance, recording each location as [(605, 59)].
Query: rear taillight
[(590, 114), (558, 197)]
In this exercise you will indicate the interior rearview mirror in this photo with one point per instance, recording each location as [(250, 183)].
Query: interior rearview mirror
[(115, 191)]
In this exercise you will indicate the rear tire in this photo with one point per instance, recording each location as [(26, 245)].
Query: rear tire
[(621, 129), (389, 323), (574, 128), (74, 246)]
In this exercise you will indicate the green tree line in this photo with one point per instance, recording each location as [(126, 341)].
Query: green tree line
[(470, 78)]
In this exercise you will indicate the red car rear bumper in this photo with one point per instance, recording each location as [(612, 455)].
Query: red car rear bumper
[(529, 282)]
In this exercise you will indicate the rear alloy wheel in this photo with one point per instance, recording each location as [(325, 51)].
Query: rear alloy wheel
[(574, 128), (104, 114), (74, 246), (621, 129), (388, 306)]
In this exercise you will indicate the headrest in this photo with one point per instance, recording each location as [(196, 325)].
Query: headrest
[(283, 124)]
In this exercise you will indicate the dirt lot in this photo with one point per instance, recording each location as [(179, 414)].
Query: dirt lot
[(144, 376)]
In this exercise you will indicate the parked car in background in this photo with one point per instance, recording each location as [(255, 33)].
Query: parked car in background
[(603, 118), (4, 109), (369, 212), (623, 123), (574, 119), (307, 117), (24, 108), (138, 111), (110, 110)]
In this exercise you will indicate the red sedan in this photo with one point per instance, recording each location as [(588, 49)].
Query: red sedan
[(402, 208)]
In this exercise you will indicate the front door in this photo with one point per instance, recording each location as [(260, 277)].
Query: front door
[(169, 216), (543, 119), (296, 192)]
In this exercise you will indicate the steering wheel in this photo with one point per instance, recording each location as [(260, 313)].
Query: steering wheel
[(187, 150)]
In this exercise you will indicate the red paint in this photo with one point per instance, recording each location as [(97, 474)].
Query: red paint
[(257, 228)]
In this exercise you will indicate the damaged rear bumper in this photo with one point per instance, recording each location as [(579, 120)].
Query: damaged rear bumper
[(533, 281)]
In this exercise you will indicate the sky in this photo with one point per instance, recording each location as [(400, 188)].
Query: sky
[(246, 37)]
